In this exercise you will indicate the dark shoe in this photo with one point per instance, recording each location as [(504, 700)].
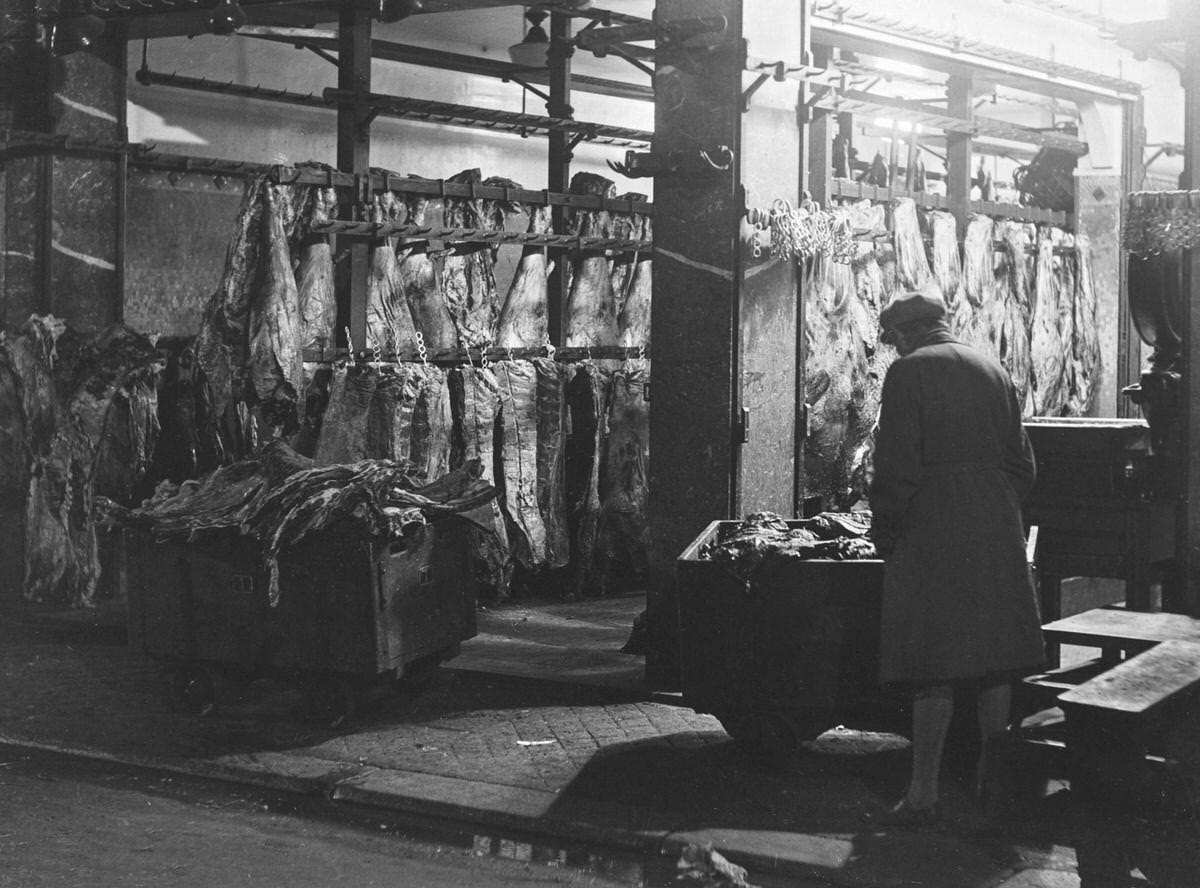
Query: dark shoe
[(902, 815)]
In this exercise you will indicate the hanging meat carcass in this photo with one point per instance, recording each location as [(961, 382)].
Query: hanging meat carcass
[(106, 425), (475, 404), (314, 276), (835, 358), (912, 267), (275, 359), (1046, 348), (591, 309), (552, 460), (1084, 371), (588, 394), (626, 226), (343, 435), (1065, 288), (468, 277), (390, 327), (623, 532), (867, 384), (947, 267), (221, 340), (421, 283), (523, 319), (633, 323), (1017, 348), (978, 316), (518, 482)]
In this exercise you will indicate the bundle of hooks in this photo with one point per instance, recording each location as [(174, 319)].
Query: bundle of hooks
[(801, 232)]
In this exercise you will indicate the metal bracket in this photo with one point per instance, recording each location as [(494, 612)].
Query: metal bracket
[(741, 426), (544, 96)]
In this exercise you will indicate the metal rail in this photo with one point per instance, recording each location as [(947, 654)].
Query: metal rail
[(412, 109), (853, 102), (345, 228), (1017, 212), (477, 357), (449, 61), (487, 118), (441, 188)]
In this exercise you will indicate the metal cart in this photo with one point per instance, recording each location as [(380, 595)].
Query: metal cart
[(788, 657), (351, 613)]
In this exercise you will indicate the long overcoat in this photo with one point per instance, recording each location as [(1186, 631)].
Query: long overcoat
[(952, 464)]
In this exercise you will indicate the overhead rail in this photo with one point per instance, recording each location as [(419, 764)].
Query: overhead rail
[(489, 118), (373, 230), (442, 189), (24, 143), (413, 109), (449, 61), (874, 34), (847, 188), (854, 102)]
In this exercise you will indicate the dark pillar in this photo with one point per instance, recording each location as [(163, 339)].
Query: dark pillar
[(558, 172), (354, 153), (723, 322)]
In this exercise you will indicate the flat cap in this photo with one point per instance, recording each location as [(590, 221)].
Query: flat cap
[(913, 305)]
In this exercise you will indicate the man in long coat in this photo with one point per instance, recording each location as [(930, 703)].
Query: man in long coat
[(952, 464)]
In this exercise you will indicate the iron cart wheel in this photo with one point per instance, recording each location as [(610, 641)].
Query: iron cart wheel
[(330, 700), (193, 689)]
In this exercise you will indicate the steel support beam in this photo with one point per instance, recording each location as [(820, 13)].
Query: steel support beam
[(558, 162), (354, 156), (958, 152)]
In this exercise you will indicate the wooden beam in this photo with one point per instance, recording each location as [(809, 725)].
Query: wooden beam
[(958, 151), (1189, 525)]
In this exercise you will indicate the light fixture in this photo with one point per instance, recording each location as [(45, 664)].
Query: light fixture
[(226, 17), (534, 48), (395, 10)]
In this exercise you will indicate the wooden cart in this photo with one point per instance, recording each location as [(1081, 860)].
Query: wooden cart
[(351, 612), (788, 656)]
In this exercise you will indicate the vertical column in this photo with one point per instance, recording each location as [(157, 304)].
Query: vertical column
[(958, 151), (354, 154), (1189, 523), (819, 143), (694, 309), (558, 173), (1133, 172), (723, 323)]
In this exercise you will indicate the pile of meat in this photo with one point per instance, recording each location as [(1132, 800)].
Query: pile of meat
[(281, 497), (565, 443), (79, 419), (764, 537), (1021, 293)]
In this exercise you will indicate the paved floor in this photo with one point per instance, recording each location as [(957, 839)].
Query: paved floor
[(573, 753)]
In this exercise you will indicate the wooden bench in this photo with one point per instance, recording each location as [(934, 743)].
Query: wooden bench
[(1116, 630), (1114, 720)]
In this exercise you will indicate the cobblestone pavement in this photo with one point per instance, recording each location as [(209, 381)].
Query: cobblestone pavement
[(598, 763)]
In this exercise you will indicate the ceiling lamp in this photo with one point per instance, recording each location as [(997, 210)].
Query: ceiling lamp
[(226, 18), (534, 48), (395, 10)]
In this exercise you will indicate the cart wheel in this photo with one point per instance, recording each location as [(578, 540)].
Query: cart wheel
[(193, 690), (329, 700), (760, 731)]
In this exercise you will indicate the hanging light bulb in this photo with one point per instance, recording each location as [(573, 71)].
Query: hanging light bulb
[(226, 17), (395, 10), (534, 48)]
